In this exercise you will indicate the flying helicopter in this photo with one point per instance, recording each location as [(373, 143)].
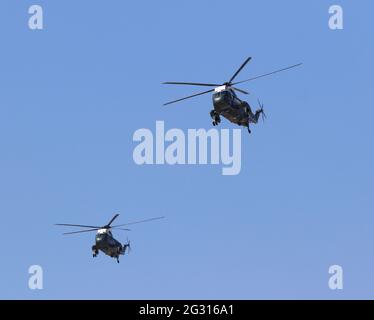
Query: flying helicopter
[(104, 240), (226, 103)]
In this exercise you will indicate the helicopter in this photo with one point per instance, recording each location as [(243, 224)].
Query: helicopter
[(226, 102), (104, 240)]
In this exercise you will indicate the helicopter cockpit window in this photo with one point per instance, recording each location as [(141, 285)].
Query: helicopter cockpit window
[(100, 236)]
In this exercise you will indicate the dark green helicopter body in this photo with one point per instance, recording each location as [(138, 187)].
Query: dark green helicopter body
[(227, 104), (104, 240), (225, 101)]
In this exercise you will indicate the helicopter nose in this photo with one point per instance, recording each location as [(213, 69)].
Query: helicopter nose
[(219, 98)]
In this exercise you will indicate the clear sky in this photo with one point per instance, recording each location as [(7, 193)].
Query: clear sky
[(73, 94)]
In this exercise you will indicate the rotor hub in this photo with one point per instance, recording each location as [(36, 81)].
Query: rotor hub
[(221, 88)]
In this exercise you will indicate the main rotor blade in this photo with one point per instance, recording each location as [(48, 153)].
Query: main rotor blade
[(75, 225), (194, 95), (114, 218), (194, 84), (240, 90), (121, 229), (240, 69), (268, 74), (141, 221), (74, 232)]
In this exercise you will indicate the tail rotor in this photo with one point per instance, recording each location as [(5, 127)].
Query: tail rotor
[(261, 110), (127, 246)]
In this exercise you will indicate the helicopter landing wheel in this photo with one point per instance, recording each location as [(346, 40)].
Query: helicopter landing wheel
[(216, 121)]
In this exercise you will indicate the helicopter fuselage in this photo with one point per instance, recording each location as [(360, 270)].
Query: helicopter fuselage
[(227, 104), (105, 242)]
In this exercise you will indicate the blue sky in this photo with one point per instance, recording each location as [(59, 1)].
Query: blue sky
[(74, 93)]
